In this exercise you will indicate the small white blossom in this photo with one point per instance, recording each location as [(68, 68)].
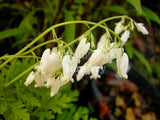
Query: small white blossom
[(55, 87), (40, 79), (69, 67), (50, 81), (96, 56), (119, 27), (141, 28), (82, 49), (29, 79), (122, 65), (83, 71), (94, 71), (125, 36), (104, 41), (50, 62)]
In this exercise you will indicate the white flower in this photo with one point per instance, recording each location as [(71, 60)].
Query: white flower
[(69, 67), (141, 28), (125, 36), (83, 71), (50, 81), (82, 49), (122, 65), (102, 56), (29, 79), (40, 78), (55, 87), (55, 84), (119, 27), (96, 56), (104, 41), (50, 62), (94, 71)]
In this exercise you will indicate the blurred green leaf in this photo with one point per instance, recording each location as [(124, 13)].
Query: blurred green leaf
[(143, 60), (116, 9), (151, 15), (13, 32), (69, 29), (129, 49), (137, 5)]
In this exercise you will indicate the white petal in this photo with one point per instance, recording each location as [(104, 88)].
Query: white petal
[(52, 63), (40, 79), (125, 36), (94, 71), (82, 49), (29, 79), (69, 67), (50, 82), (141, 28), (96, 56), (55, 88), (122, 65), (44, 56), (83, 71), (104, 41), (119, 27)]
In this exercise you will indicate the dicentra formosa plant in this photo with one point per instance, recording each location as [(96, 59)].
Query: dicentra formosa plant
[(58, 65)]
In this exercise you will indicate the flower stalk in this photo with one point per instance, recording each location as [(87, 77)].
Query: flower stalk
[(58, 65)]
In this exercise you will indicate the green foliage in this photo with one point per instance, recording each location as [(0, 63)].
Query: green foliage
[(150, 15), (74, 113), (69, 29), (13, 32), (116, 9), (137, 5), (18, 102), (143, 60)]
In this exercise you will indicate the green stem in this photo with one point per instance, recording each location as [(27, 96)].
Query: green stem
[(59, 25), (40, 45), (9, 56), (20, 75)]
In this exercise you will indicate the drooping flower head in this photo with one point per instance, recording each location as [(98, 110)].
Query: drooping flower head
[(82, 49), (122, 65), (50, 61), (125, 36), (119, 27), (29, 79), (140, 27), (84, 70), (69, 67)]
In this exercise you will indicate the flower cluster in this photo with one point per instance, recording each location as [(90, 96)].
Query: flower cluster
[(56, 68)]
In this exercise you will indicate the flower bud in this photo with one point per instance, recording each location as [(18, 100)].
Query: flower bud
[(125, 36), (29, 79), (122, 65), (82, 49), (69, 67), (141, 28)]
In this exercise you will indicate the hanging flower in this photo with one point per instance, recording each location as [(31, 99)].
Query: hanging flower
[(94, 71), (104, 41), (40, 79), (122, 65), (69, 67), (119, 27), (84, 70), (55, 84), (125, 36), (51, 61), (141, 28), (29, 79), (82, 49)]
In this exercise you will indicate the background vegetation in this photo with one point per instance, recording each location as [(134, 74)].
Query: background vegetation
[(22, 21)]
